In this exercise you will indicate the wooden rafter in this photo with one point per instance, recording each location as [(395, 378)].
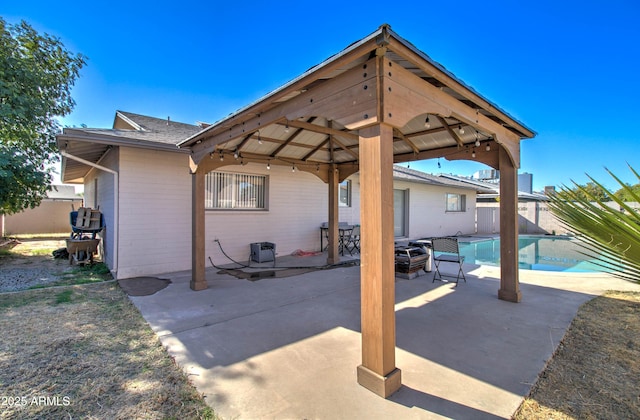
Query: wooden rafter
[(345, 148), (397, 133), (323, 130), (452, 133), (244, 141), (292, 137), (315, 149)]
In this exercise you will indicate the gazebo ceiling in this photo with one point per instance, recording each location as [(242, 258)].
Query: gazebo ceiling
[(314, 119)]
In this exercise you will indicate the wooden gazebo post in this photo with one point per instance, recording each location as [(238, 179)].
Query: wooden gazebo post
[(509, 274), (378, 371)]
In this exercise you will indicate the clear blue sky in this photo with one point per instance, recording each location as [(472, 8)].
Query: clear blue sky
[(567, 69)]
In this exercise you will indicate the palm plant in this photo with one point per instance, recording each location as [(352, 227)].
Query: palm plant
[(609, 236)]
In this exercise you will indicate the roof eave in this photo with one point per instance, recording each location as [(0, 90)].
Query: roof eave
[(83, 136)]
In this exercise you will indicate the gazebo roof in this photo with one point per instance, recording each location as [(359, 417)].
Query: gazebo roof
[(314, 119)]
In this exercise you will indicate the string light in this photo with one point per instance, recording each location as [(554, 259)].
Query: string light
[(221, 156), (236, 154), (473, 153), (488, 148), (286, 127), (269, 164), (293, 168), (427, 124), (460, 129), (259, 138), (477, 140)]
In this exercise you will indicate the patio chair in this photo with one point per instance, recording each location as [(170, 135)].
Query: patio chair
[(352, 242), (447, 250)]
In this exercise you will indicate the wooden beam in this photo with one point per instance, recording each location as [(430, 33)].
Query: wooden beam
[(349, 98), (290, 139), (435, 72), (452, 133), (509, 281), (315, 149), (323, 130), (333, 256), (377, 372), (345, 148), (405, 93), (301, 85), (397, 133), (198, 281)]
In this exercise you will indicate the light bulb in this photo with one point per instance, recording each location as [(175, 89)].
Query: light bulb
[(477, 143), (293, 168), (460, 129), (286, 127), (268, 165), (488, 148), (473, 154), (427, 124)]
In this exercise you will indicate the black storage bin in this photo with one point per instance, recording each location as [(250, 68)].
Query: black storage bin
[(263, 251)]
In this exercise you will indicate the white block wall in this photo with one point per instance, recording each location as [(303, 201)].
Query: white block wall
[(298, 205), (155, 212)]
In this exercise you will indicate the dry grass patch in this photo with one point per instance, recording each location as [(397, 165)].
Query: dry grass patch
[(87, 349), (594, 372)]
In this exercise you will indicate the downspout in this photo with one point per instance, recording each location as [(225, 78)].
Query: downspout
[(116, 202)]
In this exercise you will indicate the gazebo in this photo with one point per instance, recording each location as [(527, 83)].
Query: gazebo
[(378, 102)]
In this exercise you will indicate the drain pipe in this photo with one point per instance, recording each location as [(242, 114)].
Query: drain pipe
[(116, 203)]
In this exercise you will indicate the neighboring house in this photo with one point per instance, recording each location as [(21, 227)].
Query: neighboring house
[(51, 216), (142, 183), (534, 216)]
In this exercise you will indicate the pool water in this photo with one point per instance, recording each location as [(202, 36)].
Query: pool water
[(544, 253)]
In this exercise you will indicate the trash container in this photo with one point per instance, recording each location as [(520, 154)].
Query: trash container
[(425, 244), (263, 251)]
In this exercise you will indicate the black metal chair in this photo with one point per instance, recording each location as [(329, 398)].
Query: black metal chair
[(352, 243), (448, 252)]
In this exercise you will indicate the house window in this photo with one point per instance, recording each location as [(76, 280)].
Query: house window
[(400, 213), (345, 194), (456, 202), (235, 191)]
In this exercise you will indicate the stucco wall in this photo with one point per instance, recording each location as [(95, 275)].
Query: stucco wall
[(155, 212), (427, 210), (298, 204)]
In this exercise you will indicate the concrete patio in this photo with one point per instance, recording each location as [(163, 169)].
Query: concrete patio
[(289, 347)]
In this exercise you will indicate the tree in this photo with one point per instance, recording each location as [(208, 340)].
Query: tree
[(590, 189), (624, 196), (36, 77), (610, 236)]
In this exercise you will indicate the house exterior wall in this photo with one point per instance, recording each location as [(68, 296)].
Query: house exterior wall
[(427, 210), (51, 216), (154, 212), (297, 206), (99, 193)]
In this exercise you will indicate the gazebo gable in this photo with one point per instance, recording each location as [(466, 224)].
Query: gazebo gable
[(313, 121)]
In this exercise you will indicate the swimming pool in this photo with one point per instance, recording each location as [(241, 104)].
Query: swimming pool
[(544, 253)]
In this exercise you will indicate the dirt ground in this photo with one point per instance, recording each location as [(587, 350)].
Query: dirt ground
[(26, 263), (81, 350)]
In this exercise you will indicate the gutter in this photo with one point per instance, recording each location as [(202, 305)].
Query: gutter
[(116, 203)]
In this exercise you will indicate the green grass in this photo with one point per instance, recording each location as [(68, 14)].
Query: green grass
[(64, 296), (82, 274)]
